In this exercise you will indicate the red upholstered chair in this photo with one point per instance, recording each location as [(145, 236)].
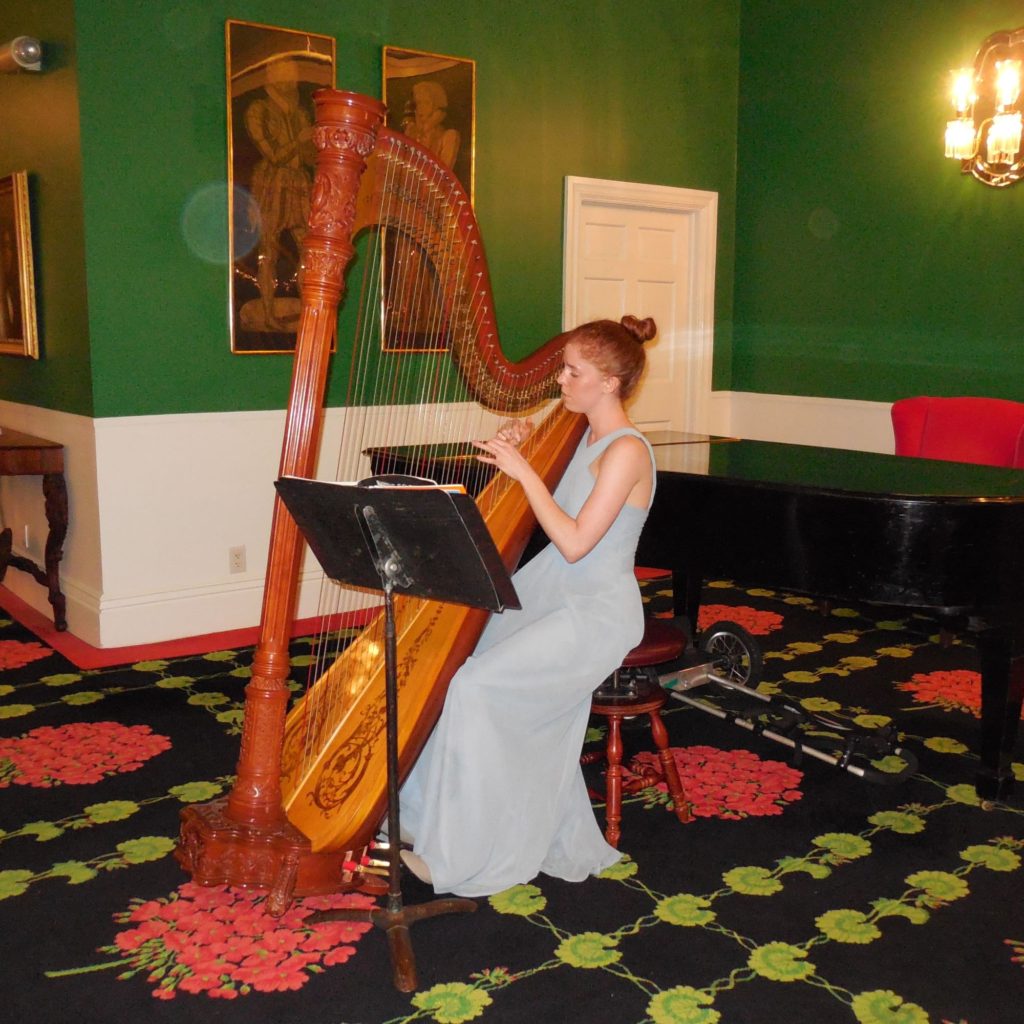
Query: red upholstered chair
[(989, 431)]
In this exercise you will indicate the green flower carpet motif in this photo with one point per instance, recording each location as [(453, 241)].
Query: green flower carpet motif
[(797, 892)]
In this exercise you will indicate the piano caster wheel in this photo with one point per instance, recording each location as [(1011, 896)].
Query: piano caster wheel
[(734, 652)]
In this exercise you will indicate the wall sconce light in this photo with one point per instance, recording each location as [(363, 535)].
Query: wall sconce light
[(985, 135), (22, 53)]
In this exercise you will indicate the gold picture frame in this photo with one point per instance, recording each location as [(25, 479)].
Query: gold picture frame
[(18, 332), (431, 97), (272, 74)]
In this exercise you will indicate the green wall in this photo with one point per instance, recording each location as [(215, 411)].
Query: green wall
[(39, 133), (643, 92), (867, 266), (854, 260)]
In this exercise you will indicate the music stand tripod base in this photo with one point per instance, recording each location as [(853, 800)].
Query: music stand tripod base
[(395, 918)]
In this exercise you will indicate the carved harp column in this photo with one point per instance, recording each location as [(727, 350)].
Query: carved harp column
[(246, 840)]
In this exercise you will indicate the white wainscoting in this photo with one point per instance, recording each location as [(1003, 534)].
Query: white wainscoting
[(157, 501), (797, 419)]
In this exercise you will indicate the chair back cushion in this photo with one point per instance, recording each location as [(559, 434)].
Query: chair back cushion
[(989, 431)]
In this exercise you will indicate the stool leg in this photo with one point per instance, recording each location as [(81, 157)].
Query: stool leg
[(592, 757), (613, 809), (679, 802)]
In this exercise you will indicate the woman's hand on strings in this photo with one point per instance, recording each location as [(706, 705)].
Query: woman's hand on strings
[(502, 450), (515, 431), (505, 456)]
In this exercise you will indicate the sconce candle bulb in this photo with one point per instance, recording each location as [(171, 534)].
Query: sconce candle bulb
[(1007, 82), (964, 94)]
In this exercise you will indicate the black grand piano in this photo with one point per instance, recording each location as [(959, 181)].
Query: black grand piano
[(833, 523), (862, 527)]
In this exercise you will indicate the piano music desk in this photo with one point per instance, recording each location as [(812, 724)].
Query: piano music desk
[(668, 437), (25, 455), (861, 527)]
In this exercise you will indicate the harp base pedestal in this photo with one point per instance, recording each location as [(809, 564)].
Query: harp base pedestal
[(215, 850)]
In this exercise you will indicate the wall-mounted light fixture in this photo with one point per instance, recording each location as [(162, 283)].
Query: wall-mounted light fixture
[(985, 135), (22, 53)]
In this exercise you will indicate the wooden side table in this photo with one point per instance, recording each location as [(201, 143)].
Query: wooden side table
[(25, 455)]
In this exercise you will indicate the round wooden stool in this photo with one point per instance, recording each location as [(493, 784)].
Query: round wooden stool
[(631, 691)]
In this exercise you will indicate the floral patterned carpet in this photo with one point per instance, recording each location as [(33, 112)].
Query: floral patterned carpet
[(798, 892)]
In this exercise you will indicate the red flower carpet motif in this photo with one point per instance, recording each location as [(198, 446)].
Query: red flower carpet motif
[(728, 784), (753, 620), (18, 653), (958, 690), (221, 943), (78, 754)]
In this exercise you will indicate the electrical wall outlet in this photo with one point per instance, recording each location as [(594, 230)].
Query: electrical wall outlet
[(236, 558)]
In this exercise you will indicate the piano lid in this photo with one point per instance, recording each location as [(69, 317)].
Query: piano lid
[(841, 470)]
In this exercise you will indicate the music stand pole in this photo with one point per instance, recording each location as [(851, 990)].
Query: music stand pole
[(397, 918)]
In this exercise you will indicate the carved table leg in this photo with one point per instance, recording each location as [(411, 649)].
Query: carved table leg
[(56, 496), (5, 551)]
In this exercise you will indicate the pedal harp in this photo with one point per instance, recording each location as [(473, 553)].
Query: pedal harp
[(311, 785)]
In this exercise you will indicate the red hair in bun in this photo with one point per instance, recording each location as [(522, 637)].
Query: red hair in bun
[(617, 349)]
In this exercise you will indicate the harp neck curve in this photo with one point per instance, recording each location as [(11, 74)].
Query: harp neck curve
[(405, 190)]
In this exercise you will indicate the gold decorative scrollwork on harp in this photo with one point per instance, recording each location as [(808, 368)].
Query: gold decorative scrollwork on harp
[(311, 784)]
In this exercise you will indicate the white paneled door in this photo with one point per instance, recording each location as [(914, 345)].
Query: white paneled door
[(648, 250)]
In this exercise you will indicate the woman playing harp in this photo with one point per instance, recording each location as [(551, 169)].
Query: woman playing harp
[(498, 795), (311, 782)]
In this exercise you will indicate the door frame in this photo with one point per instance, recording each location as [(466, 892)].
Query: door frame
[(697, 331)]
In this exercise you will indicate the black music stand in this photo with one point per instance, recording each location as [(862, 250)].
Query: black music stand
[(408, 536)]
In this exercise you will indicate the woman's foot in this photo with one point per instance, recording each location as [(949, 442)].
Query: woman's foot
[(417, 865)]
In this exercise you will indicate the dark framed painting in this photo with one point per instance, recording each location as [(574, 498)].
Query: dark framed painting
[(272, 74), (18, 335), (431, 98)]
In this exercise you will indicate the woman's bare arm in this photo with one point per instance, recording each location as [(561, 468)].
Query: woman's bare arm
[(623, 466)]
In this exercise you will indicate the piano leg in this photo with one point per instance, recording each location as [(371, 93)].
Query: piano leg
[(686, 590), (1001, 653)]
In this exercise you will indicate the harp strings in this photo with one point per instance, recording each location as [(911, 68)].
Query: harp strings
[(419, 282)]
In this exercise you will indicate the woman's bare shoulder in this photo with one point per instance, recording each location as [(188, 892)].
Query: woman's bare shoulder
[(629, 445)]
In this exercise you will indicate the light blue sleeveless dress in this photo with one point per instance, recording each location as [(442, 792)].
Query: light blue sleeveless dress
[(497, 794)]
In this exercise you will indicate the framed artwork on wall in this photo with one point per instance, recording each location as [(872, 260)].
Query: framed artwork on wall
[(272, 74), (431, 98), (18, 335)]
